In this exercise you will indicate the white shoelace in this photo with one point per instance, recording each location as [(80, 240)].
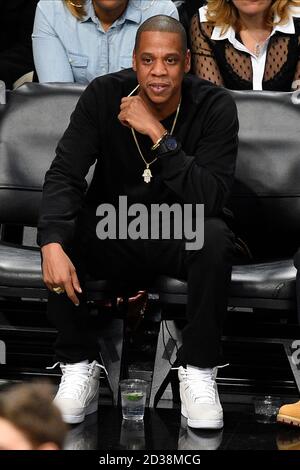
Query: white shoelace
[(201, 383), (74, 378)]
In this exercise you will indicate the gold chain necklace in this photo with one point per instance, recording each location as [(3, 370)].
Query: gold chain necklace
[(147, 175)]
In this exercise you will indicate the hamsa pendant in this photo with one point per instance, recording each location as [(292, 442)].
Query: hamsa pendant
[(147, 175)]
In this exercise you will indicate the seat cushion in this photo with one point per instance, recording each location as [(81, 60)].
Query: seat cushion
[(21, 267), (272, 280)]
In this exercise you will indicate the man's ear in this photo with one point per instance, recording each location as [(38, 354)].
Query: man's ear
[(134, 61), (187, 65)]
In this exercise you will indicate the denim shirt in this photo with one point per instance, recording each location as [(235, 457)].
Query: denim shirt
[(70, 50)]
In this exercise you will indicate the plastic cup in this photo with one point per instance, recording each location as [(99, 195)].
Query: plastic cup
[(133, 398), (266, 408)]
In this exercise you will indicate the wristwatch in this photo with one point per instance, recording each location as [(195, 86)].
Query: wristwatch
[(167, 144)]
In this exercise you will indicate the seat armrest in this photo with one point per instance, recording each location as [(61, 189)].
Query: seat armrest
[(297, 259), (2, 92)]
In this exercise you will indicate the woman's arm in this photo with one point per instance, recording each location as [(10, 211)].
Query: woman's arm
[(50, 57), (296, 81), (203, 62)]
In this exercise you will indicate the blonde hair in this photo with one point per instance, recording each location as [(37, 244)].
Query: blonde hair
[(224, 13), (76, 7)]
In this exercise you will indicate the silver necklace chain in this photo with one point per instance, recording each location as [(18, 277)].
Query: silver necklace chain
[(258, 43)]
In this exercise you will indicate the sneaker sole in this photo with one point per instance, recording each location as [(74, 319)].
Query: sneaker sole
[(79, 418), (202, 423), (288, 420)]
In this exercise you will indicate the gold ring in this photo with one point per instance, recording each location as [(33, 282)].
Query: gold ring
[(58, 290)]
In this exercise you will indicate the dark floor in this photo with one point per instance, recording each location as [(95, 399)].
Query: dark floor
[(256, 368), (165, 429)]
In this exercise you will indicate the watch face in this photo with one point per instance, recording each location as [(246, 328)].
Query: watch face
[(171, 143)]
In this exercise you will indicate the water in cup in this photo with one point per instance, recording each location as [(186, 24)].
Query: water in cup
[(133, 396), (133, 405)]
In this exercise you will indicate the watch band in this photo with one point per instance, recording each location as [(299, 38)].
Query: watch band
[(167, 145)]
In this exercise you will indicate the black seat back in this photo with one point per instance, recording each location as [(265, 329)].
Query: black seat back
[(266, 195), (31, 124)]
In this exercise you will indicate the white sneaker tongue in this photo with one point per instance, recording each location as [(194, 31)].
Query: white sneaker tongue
[(198, 372), (194, 368)]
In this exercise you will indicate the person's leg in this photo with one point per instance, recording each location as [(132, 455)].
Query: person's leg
[(208, 277), (208, 273), (76, 338), (76, 346), (100, 259)]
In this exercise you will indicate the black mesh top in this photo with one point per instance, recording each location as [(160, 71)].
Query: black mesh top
[(221, 63)]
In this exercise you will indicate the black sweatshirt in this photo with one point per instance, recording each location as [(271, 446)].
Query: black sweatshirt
[(201, 171)]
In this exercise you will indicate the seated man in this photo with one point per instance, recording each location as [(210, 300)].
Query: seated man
[(159, 136)]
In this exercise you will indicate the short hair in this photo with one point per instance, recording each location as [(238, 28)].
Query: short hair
[(30, 409), (163, 24)]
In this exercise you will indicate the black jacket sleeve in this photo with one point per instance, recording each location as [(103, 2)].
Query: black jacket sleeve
[(207, 176), (65, 180)]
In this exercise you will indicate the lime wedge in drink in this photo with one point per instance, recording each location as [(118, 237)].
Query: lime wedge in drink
[(134, 396)]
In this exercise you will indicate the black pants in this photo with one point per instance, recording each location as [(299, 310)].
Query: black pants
[(207, 272)]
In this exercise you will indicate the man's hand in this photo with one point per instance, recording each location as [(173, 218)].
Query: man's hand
[(136, 114), (59, 271)]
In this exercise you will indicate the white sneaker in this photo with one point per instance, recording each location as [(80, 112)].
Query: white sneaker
[(200, 402), (78, 391)]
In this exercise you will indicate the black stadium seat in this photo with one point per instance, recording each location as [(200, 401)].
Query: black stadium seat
[(33, 120), (265, 202)]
